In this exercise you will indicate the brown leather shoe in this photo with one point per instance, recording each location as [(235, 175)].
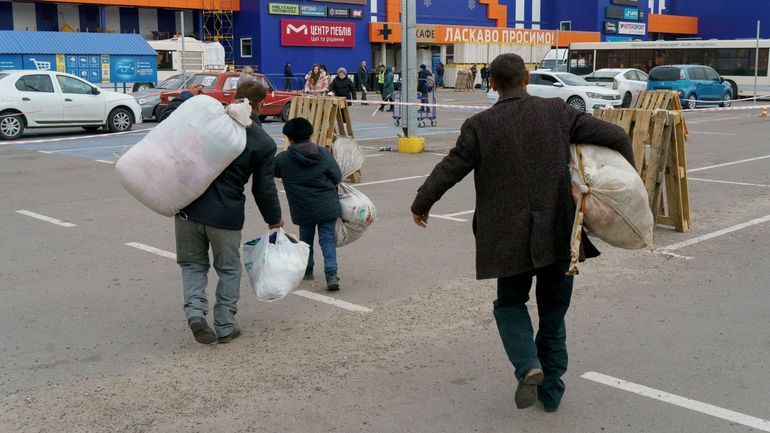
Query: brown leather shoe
[(526, 391)]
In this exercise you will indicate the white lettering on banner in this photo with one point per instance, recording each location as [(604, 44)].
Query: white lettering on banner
[(324, 30), (625, 28), (497, 35), (290, 28)]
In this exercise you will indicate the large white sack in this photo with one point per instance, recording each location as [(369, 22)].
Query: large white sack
[(275, 264), (178, 160), (358, 211), (617, 208)]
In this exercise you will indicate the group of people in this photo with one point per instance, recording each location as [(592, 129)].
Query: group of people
[(522, 222)]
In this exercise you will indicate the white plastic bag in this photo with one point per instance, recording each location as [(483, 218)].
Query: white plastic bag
[(358, 211), (616, 206), (177, 161), (275, 264)]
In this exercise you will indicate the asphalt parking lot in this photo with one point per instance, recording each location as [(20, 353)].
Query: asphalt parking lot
[(95, 339)]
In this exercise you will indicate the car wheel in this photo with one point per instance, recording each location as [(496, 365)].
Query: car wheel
[(727, 100), (11, 127), (692, 101), (142, 86), (627, 98), (577, 102), (91, 128), (285, 113), (156, 112), (120, 120)]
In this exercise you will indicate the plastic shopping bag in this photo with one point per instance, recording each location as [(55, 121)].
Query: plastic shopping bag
[(178, 160), (275, 263), (358, 211), (611, 199)]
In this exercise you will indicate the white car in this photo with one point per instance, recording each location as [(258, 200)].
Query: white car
[(46, 99), (569, 87), (626, 81)]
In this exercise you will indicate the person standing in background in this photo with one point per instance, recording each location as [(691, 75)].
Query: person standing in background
[(474, 72), (485, 77), (388, 88), (362, 79), (440, 74), (288, 75), (380, 78), (343, 86), (316, 81)]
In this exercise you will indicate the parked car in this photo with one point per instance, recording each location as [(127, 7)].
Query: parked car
[(574, 90), (46, 99), (626, 81), (149, 98), (696, 84), (222, 86)]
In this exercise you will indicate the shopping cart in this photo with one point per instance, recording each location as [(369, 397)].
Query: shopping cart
[(41, 66), (423, 113)]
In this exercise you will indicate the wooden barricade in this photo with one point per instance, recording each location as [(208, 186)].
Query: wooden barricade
[(330, 118), (660, 100), (662, 167)]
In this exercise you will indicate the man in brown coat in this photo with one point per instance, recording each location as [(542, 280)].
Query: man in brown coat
[(519, 150)]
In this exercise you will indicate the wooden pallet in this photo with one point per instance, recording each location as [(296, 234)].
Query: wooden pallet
[(330, 118), (659, 100), (663, 166)]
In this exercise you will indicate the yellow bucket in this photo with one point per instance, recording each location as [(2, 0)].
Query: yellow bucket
[(411, 144)]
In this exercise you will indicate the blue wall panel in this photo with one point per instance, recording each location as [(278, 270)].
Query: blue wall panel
[(719, 20)]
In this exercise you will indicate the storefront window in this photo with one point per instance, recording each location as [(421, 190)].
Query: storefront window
[(165, 60), (245, 47)]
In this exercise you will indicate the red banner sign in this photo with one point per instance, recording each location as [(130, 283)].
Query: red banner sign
[(302, 33)]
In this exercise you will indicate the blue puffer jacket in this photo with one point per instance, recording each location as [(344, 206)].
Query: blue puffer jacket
[(310, 176)]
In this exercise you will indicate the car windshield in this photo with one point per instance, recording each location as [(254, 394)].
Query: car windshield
[(172, 83), (603, 74), (665, 74), (550, 64), (208, 81), (572, 80)]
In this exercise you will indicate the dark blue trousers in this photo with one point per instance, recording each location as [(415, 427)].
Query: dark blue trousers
[(548, 349)]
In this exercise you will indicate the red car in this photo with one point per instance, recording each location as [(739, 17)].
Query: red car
[(222, 85)]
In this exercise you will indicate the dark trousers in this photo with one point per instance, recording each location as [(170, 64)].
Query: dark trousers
[(548, 350)]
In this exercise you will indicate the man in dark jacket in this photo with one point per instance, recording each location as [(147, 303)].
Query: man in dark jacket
[(519, 150), (485, 77), (310, 176), (288, 76), (342, 85), (216, 219), (423, 85), (362, 79)]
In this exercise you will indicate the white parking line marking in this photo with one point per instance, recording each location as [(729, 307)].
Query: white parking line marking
[(45, 218), (724, 231), (104, 161), (332, 301), (711, 133), (388, 180), (76, 137), (669, 253), (375, 155), (451, 216), (728, 182), (697, 406), (153, 250), (725, 164), (82, 148)]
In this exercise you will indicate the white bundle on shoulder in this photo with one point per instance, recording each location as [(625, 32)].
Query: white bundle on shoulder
[(611, 199), (178, 160)]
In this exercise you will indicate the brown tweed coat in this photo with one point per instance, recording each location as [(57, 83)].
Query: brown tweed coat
[(519, 152)]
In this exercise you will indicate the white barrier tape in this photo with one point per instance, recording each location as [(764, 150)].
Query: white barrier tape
[(701, 110)]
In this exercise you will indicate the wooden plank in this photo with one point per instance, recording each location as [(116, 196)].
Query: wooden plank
[(348, 121), (637, 104), (681, 160), (654, 162), (640, 137), (658, 170)]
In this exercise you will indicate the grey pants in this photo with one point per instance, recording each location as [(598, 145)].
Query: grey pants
[(192, 249)]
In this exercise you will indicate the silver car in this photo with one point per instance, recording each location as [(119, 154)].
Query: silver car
[(149, 99)]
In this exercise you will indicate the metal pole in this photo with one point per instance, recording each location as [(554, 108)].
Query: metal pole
[(409, 63), (182, 60), (557, 45), (756, 71)]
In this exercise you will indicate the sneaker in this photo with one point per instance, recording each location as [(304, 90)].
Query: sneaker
[(201, 331), (231, 336), (332, 283), (308, 275), (526, 391)]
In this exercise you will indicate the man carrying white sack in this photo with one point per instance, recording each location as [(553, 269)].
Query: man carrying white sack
[(519, 150), (216, 219)]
